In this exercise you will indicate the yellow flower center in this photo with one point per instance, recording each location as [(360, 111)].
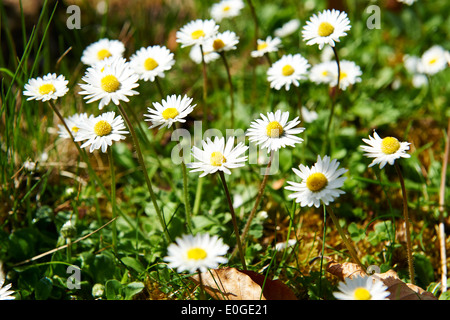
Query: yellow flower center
[(316, 182), (102, 128), (390, 145), (325, 29), (197, 34), (196, 254), (218, 44), (102, 54), (110, 83), (262, 46), (325, 73), (342, 76), (217, 159), (274, 129), (150, 64), (362, 294), (433, 61), (47, 88), (287, 70), (75, 129), (170, 113), (226, 8)]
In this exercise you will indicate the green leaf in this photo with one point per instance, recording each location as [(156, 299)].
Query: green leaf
[(132, 289), (133, 264), (43, 289), (113, 290)]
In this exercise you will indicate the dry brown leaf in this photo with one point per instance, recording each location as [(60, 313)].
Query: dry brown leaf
[(234, 284), (399, 290)]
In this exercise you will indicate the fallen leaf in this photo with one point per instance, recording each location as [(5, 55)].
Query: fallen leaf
[(234, 284), (399, 290)]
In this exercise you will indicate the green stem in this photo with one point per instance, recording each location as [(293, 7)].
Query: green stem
[(158, 84), (198, 196), (144, 170), (187, 204), (333, 98), (233, 218), (407, 225), (113, 198), (323, 247), (257, 201), (205, 87), (230, 83), (347, 242)]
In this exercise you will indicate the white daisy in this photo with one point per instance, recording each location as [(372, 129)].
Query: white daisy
[(101, 131), (266, 46), (102, 49), (433, 60), (48, 87), (326, 28), (72, 123), (287, 29), (385, 150), (419, 80), (308, 116), (323, 72), (361, 288), (288, 70), (218, 156), (173, 109), (209, 54), (152, 62), (111, 79), (225, 41), (320, 183), (274, 131), (411, 63), (196, 253), (349, 75), (196, 32), (408, 2), (5, 293), (226, 9)]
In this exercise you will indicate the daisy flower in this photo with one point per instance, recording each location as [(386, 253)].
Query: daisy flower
[(72, 123), (111, 79), (288, 70), (326, 28), (152, 62), (419, 80), (50, 86), (309, 116), (225, 41), (226, 9), (433, 60), (362, 288), (101, 131), (287, 29), (266, 46), (274, 131), (196, 253), (218, 156), (349, 75), (320, 183), (408, 2), (196, 32), (411, 63), (102, 49), (173, 109), (385, 150), (323, 72), (209, 54), (5, 293)]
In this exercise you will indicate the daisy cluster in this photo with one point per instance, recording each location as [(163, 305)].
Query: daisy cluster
[(112, 79)]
